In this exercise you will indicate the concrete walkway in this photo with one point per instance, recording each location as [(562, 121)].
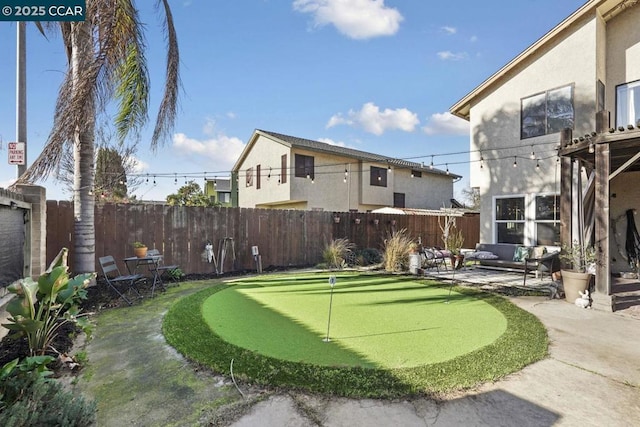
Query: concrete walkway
[(591, 378)]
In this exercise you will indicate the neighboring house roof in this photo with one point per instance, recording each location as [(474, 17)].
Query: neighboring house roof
[(323, 147), (222, 184), (607, 8)]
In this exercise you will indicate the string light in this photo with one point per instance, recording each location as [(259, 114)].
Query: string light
[(447, 168), (533, 154), (515, 162), (318, 170), (537, 165)]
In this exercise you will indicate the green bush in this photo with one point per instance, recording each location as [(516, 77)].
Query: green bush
[(40, 308), (29, 398), (47, 403)]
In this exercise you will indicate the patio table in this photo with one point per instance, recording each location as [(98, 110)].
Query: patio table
[(151, 262)]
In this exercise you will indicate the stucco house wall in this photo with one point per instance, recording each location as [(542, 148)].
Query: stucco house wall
[(340, 182), (574, 58)]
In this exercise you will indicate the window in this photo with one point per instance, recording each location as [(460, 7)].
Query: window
[(249, 177), (258, 177), (546, 113), (398, 200), (510, 218), (304, 166), (528, 220), (378, 176), (284, 169), (628, 104), (547, 222)]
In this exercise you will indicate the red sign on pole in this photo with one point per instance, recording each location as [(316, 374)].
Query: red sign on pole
[(16, 153)]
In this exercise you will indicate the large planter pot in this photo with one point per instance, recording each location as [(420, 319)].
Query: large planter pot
[(574, 282)]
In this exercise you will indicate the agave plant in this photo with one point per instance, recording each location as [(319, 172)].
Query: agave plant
[(40, 308)]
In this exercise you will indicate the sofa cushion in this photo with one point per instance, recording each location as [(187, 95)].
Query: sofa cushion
[(538, 252), (484, 255)]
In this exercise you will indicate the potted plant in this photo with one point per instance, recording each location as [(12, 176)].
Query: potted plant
[(139, 249), (453, 244), (580, 262)]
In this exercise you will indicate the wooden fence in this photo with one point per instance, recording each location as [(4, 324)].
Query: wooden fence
[(285, 238)]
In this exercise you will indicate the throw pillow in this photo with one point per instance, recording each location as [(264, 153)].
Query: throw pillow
[(521, 253), (538, 251)]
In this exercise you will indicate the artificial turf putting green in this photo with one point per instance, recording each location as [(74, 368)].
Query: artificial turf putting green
[(376, 321), (259, 313)]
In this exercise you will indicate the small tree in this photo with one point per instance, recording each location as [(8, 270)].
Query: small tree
[(190, 194)]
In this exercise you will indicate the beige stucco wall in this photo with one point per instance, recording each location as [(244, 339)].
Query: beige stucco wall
[(266, 153), (495, 121), (622, 53), (328, 190)]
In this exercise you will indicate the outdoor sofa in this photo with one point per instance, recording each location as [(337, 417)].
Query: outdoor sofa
[(510, 256)]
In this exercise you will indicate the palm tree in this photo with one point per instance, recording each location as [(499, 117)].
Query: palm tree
[(106, 63)]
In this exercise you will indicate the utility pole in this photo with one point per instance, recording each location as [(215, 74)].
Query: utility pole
[(21, 92)]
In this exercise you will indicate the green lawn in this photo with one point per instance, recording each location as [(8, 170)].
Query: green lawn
[(390, 335), (376, 321)]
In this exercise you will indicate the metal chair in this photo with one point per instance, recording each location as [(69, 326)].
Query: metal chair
[(549, 262), (432, 257), (160, 267), (109, 267)]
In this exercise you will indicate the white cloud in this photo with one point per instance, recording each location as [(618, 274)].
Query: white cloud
[(446, 124), (450, 56), (449, 30), (473, 39), (374, 121), (357, 19), (218, 153), (139, 166), (231, 115)]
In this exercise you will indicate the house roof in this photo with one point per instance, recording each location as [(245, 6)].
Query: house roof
[(323, 147), (606, 8)]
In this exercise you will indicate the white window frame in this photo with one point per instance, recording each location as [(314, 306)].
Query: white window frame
[(530, 237), (625, 105)]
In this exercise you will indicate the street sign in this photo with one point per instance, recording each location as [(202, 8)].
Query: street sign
[(16, 153)]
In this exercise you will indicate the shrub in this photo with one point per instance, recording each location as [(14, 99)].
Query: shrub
[(396, 251), (47, 403), (366, 256), (335, 253), (40, 308)]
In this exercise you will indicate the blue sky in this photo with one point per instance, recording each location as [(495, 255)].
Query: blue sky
[(374, 75)]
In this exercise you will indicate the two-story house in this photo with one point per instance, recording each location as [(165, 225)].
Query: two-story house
[(219, 190), (287, 172), (554, 141)]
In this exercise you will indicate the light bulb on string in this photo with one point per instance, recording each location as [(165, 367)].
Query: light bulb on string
[(515, 162), (431, 165), (447, 168), (533, 154), (537, 165)]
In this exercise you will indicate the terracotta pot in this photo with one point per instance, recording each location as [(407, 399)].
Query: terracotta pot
[(574, 282), (140, 252)]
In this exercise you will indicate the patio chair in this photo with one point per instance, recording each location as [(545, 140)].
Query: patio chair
[(113, 277), (549, 262), (162, 269), (433, 257)]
